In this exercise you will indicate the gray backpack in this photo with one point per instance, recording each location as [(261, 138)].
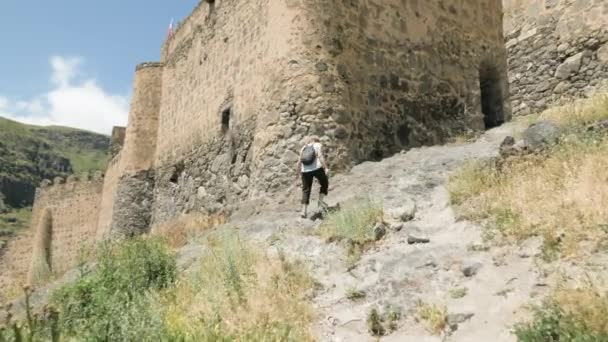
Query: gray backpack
[(309, 155)]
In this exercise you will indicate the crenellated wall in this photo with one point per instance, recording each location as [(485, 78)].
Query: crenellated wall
[(64, 219), (558, 51)]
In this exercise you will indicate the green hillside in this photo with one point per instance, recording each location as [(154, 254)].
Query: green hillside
[(29, 154)]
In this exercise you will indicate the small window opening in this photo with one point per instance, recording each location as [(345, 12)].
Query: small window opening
[(178, 169), (492, 102), (226, 114), (211, 4)]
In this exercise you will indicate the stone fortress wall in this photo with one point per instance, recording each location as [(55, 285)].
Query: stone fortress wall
[(220, 119), (71, 207), (405, 74), (558, 50)]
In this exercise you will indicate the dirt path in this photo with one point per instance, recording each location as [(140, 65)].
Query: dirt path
[(396, 275)]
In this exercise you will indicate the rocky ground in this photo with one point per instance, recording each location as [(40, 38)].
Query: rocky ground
[(396, 275)]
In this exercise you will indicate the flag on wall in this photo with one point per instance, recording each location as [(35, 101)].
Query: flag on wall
[(170, 32)]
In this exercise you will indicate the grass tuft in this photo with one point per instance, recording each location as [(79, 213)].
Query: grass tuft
[(435, 317), (354, 226)]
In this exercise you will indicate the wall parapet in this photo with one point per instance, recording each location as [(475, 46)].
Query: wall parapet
[(146, 65), (60, 182)]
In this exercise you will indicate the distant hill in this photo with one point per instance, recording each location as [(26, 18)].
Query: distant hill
[(29, 154)]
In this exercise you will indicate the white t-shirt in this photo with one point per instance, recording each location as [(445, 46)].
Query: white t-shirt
[(317, 164)]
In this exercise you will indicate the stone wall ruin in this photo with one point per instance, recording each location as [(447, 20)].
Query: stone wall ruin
[(558, 51)]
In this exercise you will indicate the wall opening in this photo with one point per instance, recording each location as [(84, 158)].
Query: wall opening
[(492, 101), (178, 169), (211, 4), (226, 114)]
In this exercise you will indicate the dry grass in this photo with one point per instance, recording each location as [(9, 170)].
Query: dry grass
[(240, 294), (570, 312), (435, 317), (186, 228), (562, 196), (588, 304)]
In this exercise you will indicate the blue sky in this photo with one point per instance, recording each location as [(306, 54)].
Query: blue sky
[(71, 62)]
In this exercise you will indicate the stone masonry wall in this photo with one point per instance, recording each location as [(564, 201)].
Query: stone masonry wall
[(74, 208), (108, 198), (406, 74), (369, 77), (558, 51), (141, 135), (224, 85)]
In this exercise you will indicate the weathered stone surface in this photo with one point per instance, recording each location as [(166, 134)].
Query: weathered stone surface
[(471, 267), (406, 212), (557, 52), (602, 54), (133, 207), (570, 66), (541, 135)]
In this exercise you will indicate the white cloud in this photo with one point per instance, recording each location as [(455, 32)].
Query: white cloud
[(71, 102), (64, 70)]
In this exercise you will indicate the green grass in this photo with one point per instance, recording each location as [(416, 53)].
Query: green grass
[(569, 315), (86, 151), (234, 293), (13, 222), (353, 226)]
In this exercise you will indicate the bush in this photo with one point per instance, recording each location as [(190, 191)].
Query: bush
[(113, 302), (239, 294), (571, 315)]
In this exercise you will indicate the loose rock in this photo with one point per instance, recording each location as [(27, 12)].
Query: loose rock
[(379, 231), (470, 268), (416, 240), (540, 135)]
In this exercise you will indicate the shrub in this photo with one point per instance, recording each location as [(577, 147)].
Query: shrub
[(239, 294), (570, 315), (435, 316), (113, 302)]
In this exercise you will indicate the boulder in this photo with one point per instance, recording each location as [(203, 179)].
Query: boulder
[(569, 66), (541, 135), (509, 147)]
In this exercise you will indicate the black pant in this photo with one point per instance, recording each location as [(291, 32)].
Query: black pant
[(307, 179)]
